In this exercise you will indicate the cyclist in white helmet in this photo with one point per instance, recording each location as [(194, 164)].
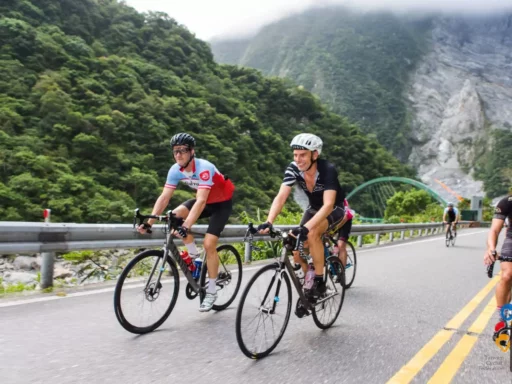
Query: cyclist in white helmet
[(319, 180)]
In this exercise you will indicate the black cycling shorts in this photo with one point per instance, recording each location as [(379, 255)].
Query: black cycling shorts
[(506, 250), (217, 212), (344, 232), (334, 219)]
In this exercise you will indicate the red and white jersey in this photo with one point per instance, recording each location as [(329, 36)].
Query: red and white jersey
[(204, 175)]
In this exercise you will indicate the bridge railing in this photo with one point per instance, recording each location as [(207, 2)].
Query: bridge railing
[(48, 238)]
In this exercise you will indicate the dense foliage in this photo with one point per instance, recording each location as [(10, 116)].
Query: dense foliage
[(358, 63), (413, 205), (494, 167), (91, 91)]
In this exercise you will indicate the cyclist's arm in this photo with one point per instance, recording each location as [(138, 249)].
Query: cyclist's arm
[(197, 208), (161, 203), (279, 202), (494, 232), (444, 217), (326, 210), (500, 214)]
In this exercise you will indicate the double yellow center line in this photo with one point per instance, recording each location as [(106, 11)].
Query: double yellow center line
[(451, 364)]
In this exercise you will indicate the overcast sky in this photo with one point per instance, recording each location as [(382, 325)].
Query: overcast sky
[(231, 18)]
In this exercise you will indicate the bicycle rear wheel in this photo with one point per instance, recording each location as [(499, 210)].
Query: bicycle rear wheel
[(326, 310), (351, 267), (265, 304), (158, 298), (228, 279)]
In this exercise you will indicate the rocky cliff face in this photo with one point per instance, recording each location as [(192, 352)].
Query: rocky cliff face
[(461, 90)]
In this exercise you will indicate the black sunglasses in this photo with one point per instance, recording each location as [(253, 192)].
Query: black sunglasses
[(182, 151)]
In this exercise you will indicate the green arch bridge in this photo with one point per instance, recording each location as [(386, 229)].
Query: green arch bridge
[(381, 190)]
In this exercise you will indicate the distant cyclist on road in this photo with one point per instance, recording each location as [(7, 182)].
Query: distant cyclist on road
[(451, 217)]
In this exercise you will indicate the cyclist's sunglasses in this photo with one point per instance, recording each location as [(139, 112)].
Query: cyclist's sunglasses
[(182, 151)]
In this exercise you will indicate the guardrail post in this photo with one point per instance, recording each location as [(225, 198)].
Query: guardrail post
[(360, 241), (247, 253), (402, 235), (391, 236), (411, 233), (47, 260), (377, 238)]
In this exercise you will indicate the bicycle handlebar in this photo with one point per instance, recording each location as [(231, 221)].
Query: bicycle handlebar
[(274, 232), (169, 218)]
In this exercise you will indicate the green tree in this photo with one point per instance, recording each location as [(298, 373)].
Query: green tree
[(91, 92), (408, 203)]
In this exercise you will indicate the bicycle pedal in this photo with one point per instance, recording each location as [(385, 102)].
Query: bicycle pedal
[(300, 311)]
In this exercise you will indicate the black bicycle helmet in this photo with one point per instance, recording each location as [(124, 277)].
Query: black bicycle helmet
[(183, 139)]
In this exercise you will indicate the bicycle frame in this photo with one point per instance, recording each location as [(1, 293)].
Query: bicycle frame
[(284, 261), (169, 250), (285, 265)]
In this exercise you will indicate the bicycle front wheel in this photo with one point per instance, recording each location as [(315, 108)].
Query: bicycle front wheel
[(265, 307), (229, 276), (448, 238), (141, 304), (327, 309)]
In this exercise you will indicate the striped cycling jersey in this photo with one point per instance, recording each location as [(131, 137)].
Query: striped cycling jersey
[(326, 179)]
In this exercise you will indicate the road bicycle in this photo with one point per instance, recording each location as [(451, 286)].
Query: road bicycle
[(152, 274), (257, 305), (450, 237)]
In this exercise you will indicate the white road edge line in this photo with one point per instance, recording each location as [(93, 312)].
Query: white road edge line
[(111, 289)]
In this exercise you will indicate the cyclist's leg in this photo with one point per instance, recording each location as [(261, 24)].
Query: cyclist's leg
[(451, 228), (343, 237), (182, 212), (455, 228), (219, 217), (220, 213), (316, 247), (308, 214)]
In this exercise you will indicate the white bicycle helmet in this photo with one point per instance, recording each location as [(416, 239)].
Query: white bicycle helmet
[(307, 141)]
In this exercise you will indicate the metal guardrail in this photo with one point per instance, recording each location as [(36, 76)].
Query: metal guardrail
[(48, 238), (31, 237)]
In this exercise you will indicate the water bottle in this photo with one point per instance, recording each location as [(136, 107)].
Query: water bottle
[(310, 277), (188, 260), (198, 264), (326, 250)]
